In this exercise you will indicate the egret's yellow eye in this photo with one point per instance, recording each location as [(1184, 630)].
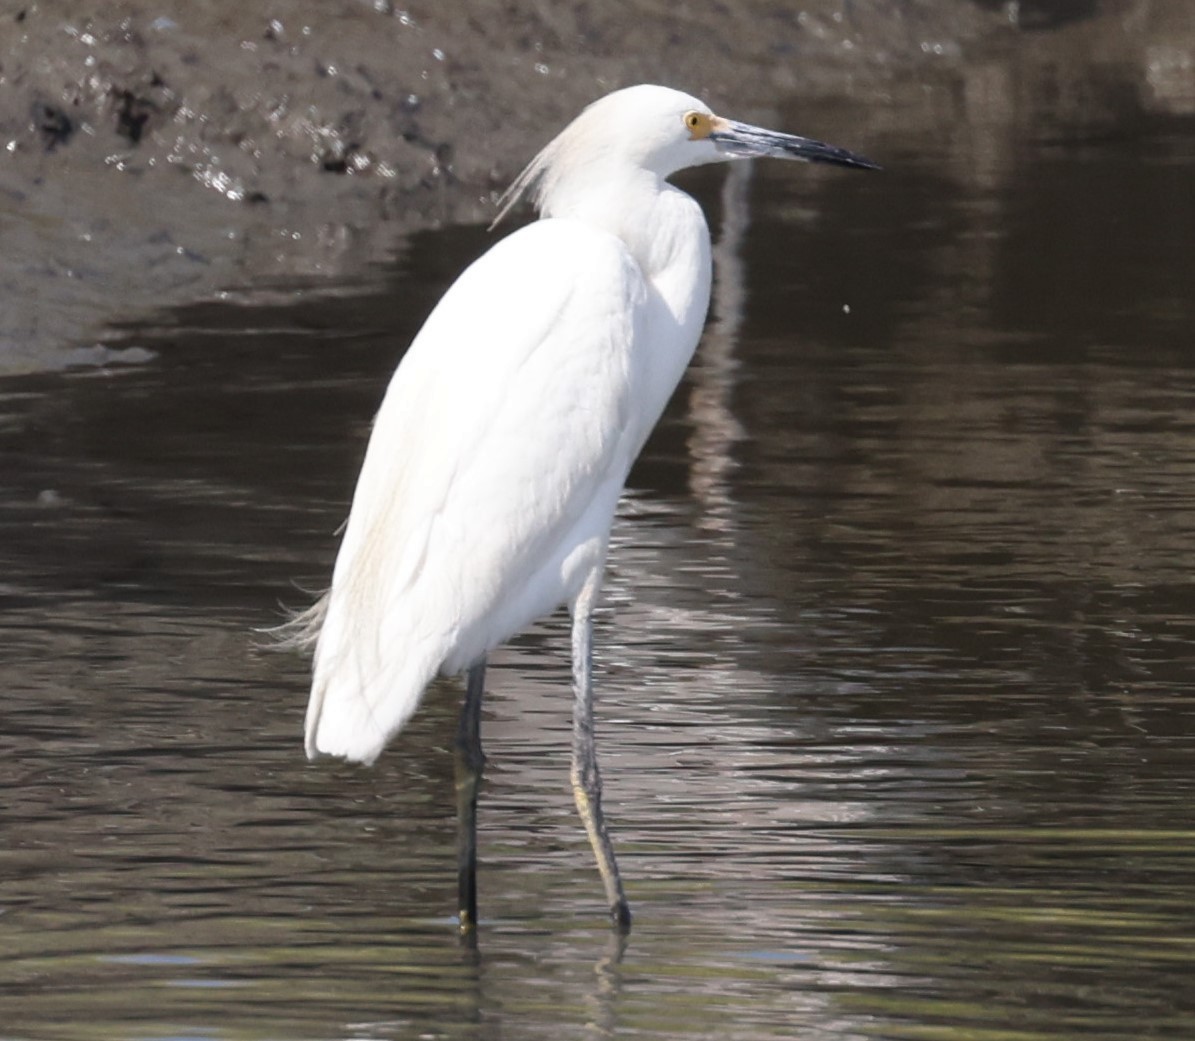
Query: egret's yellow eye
[(699, 125)]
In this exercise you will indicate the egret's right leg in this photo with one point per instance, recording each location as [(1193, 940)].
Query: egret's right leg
[(587, 779), (470, 761)]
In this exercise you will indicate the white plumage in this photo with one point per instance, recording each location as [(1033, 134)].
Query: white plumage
[(500, 450), (491, 477)]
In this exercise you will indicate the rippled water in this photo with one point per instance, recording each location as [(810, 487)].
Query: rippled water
[(897, 695)]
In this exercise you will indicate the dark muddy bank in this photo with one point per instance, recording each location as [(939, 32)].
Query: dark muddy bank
[(153, 152)]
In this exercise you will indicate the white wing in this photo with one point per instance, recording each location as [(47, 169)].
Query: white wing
[(504, 438)]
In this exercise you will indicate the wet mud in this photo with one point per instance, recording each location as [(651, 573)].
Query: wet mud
[(152, 153)]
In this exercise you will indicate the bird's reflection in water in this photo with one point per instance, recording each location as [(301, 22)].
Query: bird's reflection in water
[(601, 999), (608, 986), (716, 429)]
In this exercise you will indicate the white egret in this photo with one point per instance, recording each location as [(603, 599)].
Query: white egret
[(502, 445)]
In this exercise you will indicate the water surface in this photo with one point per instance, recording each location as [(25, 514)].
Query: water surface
[(897, 708)]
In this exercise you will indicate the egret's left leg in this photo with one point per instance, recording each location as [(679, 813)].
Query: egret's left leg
[(586, 777), (470, 761)]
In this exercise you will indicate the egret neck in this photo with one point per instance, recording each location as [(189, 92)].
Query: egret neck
[(666, 234)]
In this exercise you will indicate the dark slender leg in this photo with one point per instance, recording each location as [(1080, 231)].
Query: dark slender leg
[(587, 779), (470, 761)]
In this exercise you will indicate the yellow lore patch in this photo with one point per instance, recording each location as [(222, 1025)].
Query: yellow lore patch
[(699, 125)]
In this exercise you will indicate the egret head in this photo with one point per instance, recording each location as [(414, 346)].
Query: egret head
[(659, 131)]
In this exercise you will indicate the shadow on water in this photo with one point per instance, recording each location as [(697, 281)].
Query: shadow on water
[(897, 705)]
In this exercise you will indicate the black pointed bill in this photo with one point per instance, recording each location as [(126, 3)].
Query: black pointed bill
[(744, 141)]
